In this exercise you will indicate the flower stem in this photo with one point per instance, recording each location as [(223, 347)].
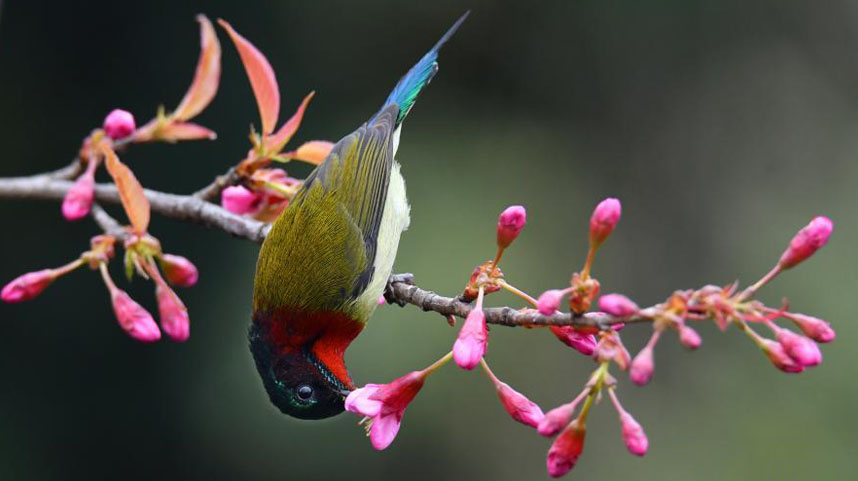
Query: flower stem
[(61, 271), (440, 362), (599, 376), (496, 261), (108, 281), (489, 372), (588, 264), (517, 292), (751, 290)]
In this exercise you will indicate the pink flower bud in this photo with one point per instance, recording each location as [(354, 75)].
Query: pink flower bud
[(178, 270), (801, 349), (605, 217), (633, 435), (78, 200), (807, 241), (557, 419), (471, 344), (518, 406), (583, 343), (119, 124), (689, 337), (132, 317), (173, 314), (239, 200), (381, 300), (816, 329), (510, 224), (778, 356), (564, 453), (618, 305), (642, 367), (27, 286), (549, 301)]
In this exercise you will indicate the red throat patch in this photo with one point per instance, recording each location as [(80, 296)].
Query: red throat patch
[(326, 333)]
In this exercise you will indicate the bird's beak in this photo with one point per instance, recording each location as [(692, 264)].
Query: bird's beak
[(344, 392)]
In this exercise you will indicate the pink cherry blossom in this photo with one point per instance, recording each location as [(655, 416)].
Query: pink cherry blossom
[(779, 357), (812, 327), (385, 405), (689, 337)]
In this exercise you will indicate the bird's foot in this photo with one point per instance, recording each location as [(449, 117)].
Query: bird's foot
[(389, 295)]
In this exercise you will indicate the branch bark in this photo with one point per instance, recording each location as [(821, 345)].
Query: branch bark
[(193, 208)]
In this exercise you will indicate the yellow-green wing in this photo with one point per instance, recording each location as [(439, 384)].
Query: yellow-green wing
[(320, 251)]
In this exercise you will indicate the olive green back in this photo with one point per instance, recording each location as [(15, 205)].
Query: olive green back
[(319, 254)]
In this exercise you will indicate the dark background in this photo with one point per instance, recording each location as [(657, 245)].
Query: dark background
[(722, 126)]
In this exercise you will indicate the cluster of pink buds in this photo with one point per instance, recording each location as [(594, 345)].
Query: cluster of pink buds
[(383, 405), (131, 316)]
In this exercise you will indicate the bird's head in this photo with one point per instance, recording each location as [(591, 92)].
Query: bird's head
[(304, 375)]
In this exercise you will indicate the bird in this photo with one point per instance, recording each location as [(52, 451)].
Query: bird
[(327, 258)]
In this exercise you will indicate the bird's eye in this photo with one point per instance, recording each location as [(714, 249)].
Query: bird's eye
[(304, 392)]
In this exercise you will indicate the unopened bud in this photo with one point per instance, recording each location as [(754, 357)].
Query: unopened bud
[(567, 448), (807, 241), (471, 344), (633, 435), (78, 200), (812, 327), (27, 286), (119, 124), (133, 318), (178, 270), (689, 337), (239, 200), (618, 305), (172, 313), (518, 406), (801, 349), (549, 301), (605, 217), (643, 366), (510, 224), (778, 356)]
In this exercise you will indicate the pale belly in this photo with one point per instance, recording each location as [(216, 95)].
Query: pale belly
[(394, 220)]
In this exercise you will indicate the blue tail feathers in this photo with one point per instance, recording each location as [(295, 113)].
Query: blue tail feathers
[(408, 88)]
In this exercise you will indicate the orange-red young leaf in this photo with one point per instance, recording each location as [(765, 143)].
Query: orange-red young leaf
[(261, 77), (134, 202), (276, 142), (175, 131), (313, 151), (207, 76)]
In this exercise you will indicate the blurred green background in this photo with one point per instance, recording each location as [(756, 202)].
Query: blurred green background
[(722, 126)]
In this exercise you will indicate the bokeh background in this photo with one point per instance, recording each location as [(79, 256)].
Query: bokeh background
[(722, 126)]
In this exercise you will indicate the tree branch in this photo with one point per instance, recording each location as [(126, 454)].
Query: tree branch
[(193, 208)]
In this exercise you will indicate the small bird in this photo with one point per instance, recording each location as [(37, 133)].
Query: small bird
[(329, 255)]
